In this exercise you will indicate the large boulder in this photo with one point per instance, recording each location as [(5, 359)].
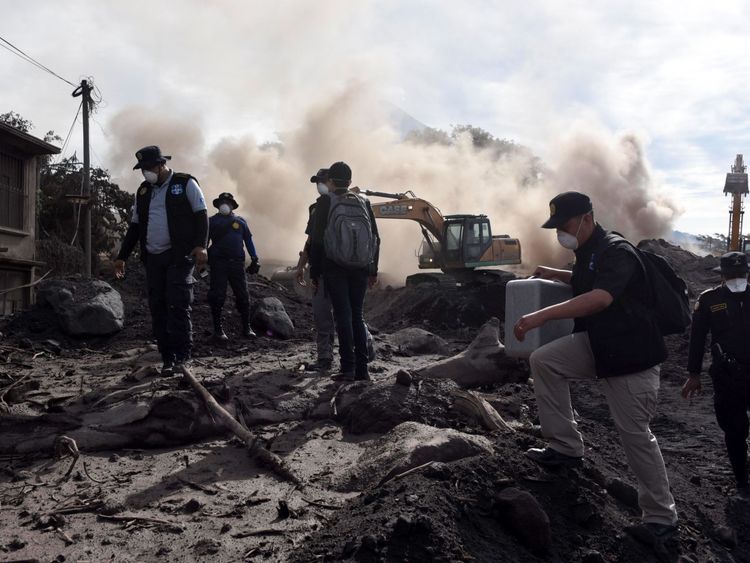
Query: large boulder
[(409, 445), (270, 316), (416, 341), (484, 362), (83, 308)]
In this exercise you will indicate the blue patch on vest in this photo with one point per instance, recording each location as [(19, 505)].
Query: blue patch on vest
[(177, 189)]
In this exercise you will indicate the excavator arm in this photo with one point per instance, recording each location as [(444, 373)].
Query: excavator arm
[(408, 206)]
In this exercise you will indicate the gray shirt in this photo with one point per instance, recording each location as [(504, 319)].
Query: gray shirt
[(157, 233)]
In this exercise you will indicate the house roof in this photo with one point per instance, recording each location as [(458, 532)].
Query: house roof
[(24, 142)]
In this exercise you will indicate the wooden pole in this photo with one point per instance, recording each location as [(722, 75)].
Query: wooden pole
[(267, 458)]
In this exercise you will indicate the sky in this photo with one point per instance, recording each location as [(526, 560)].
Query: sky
[(213, 80)]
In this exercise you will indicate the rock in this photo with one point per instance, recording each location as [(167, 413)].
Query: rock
[(207, 546), (483, 362), (53, 346), (403, 377), (193, 505), (380, 406), (408, 445), (593, 556), (85, 307), (726, 536), (416, 341), (624, 492), (524, 517), (114, 458), (270, 316)]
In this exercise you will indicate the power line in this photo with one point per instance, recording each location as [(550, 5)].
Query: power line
[(70, 131), (28, 58)]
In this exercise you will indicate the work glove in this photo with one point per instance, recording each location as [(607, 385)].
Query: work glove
[(254, 267)]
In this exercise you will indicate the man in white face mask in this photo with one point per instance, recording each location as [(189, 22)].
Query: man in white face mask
[(616, 340), (229, 236), (724, 311)]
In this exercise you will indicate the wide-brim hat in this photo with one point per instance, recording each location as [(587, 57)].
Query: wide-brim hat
[(225, 197), (733, 264), (565, 206), (150, 156)]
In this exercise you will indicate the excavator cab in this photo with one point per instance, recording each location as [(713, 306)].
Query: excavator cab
[(468, 244)]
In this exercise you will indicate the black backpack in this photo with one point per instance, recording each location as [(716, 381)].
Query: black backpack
[(669, 292)]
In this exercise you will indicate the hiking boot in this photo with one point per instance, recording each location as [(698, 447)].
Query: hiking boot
[(219, 334), (167, 368), (343, 376), (552, 458), (180, 364), (652, 533), (320, 365), (248, 332), (365, 376)]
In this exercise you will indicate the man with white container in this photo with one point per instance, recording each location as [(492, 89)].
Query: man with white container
[(616, 340)]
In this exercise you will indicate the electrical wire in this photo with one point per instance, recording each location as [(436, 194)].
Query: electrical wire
[(29, 59), (70, 131)]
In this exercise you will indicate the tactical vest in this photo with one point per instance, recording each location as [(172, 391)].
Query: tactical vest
[(180, 215)]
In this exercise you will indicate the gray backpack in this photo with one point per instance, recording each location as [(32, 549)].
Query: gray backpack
[(348, 238)]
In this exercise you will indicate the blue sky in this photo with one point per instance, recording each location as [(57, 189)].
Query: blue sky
[(674, 73)]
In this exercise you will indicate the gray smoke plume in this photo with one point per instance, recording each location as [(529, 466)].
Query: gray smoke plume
[(272, 184)]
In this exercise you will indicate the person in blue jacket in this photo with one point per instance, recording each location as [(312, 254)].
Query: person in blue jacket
[(228, 236)]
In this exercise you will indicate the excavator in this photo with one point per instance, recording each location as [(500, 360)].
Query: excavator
[(455, 244)]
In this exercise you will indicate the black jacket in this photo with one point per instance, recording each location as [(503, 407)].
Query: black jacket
[(726, 316), (625, 337)]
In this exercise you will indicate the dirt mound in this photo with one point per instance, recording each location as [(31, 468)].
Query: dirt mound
[(694, 269), (439, 307)]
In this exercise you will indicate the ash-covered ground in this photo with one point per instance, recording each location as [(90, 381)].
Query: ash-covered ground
[(393, 470)]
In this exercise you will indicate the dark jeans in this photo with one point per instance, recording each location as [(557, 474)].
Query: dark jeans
[(170, 294), (225, 271), (347, 290), (731, 402)]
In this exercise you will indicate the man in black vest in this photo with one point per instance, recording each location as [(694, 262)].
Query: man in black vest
[(170, 223), (616, 340)]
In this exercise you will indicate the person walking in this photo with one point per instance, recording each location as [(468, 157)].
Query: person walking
[(616, 340), (170, 224), (229, 236), (344, 249), (724, 312)]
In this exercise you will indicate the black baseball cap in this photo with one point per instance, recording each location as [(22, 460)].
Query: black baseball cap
[(732, 264), (150, 156), (565, 206), (225, 197), (340, 173), (321, 176)]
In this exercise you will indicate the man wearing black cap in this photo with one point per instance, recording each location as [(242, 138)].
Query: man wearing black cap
[(724, 311), (344, 247), (616, 339), (170, 223), (229, 236)]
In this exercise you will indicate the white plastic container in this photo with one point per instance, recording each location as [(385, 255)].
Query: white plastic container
[(526, 296)]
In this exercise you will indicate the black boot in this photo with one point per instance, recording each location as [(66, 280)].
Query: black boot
[(247, 331), (219, 334)]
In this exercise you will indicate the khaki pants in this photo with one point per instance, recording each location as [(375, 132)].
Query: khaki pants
[(632, 401)]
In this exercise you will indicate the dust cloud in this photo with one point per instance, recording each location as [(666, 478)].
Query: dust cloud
[(271, 181)]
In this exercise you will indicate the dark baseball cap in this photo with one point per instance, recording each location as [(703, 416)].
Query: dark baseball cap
[(340, 172), (565, 206), (321, 176), (150, 156), (733, 263)]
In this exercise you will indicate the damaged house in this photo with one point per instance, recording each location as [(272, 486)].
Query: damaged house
[(19, 180)]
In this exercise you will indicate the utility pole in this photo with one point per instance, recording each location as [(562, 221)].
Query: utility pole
[(84, 90)]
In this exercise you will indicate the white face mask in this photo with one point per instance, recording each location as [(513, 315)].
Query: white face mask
[(322, 189), (224, 209), (736, 285), (567, 240), (151, 177)]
